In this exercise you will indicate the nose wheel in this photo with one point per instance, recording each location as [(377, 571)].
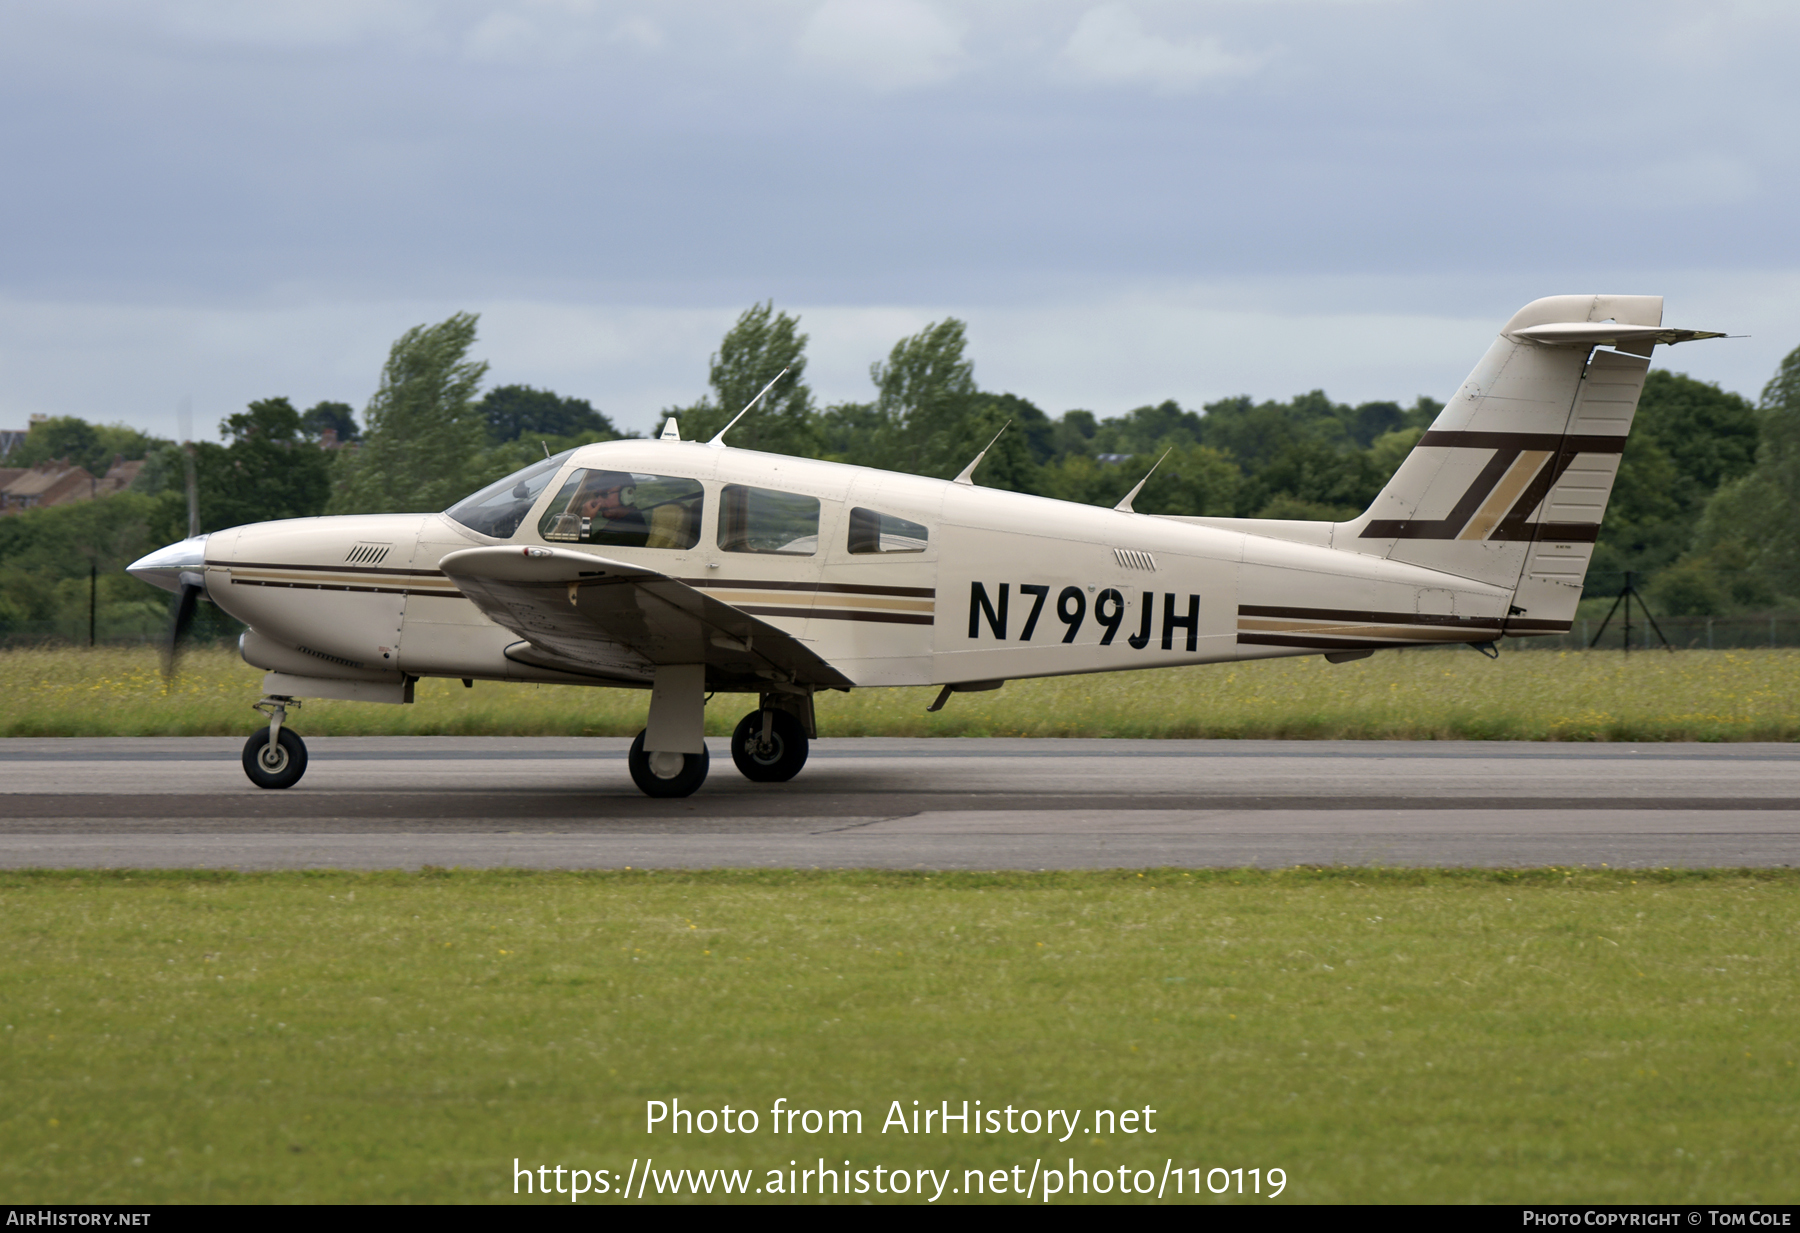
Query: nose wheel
[(276, 756), (769, 746)]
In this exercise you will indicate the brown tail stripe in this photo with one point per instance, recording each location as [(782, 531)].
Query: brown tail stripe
[(1561, 451)]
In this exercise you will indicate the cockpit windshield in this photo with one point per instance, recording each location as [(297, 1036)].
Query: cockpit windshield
[(498, 509)]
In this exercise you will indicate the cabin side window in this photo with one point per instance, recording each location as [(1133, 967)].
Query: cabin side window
[(766, 521), (874, 532), (624, 509)]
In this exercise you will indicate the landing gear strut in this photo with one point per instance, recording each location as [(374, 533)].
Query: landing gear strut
[(275, 758)]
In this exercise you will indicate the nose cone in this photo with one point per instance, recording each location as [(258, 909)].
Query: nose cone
[(164, 567)]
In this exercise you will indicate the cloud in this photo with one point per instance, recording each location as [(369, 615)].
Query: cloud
[(290, 24), (1703, 180), (883, 44), (503, 37), (639, 32), (1110, 46)]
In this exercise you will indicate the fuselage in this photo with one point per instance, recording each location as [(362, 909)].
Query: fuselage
[(902, 580)]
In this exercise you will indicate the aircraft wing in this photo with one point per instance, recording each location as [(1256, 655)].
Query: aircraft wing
[(611, 619)]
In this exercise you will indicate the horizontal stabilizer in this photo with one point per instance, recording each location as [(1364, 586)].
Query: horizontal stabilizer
[(1637, 339)]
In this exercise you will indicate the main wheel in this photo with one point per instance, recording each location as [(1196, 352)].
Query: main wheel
[(659, 774), (779, 760), (280, 767)]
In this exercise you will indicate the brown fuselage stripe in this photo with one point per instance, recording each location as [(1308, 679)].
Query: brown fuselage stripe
[(1343, 616), (832, 614), (1332, 644), (841, 588), (330, 569), (342, 586)]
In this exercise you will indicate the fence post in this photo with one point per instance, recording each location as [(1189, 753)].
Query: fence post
[(1709, 645), (1771, 633)]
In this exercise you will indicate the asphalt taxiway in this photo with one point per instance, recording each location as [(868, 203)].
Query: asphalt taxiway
[(405, 802)]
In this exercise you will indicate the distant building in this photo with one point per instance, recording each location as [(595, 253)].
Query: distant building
[(57, 482), (51, 482)]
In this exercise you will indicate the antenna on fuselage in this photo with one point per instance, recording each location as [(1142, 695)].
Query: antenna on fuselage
[(968, 472), (1124, 507), (718, 441), (671, 430)]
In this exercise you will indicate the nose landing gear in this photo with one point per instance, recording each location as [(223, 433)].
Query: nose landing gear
[(275, 758)]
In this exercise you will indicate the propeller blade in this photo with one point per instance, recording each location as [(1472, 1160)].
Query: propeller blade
[(181, 615)]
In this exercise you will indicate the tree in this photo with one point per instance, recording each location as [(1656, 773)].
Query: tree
[(1688, 439), (93, 446), (1755, 520), (59, 437), (851, 432), (752, 353), (423, 439), (928, 403), (267, 470), (335, 416), (513, 412)]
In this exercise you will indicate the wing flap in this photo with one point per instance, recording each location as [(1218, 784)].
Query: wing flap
[(621, 620)]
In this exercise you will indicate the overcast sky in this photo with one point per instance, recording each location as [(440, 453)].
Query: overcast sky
[(1125, 201)]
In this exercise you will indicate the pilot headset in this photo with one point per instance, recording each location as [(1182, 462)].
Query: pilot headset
[(627, 490)]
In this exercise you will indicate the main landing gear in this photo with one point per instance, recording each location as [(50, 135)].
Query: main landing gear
[(276, 757), (769, 746), (666, 774)]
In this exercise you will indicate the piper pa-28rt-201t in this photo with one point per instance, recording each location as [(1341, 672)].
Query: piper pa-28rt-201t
[(690, 568)]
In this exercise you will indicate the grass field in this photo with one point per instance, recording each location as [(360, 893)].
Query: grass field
[(1545, 1036), (1538, 695)]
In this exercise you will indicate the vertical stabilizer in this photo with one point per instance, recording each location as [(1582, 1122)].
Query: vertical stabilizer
[(1509, 484)]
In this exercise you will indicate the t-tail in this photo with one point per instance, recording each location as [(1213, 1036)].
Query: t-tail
[(1510, 483)]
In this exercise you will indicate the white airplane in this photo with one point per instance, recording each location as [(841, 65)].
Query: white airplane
[(689, 568)]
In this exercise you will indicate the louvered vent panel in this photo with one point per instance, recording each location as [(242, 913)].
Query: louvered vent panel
[(1131, 558), (334, 659), (367, 554)]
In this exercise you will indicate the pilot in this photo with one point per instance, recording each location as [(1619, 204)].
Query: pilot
[(604, 505)]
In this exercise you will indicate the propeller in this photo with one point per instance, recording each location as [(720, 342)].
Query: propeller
[(181, 615)]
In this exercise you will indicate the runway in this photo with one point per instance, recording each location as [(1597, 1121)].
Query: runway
[(406, 802)]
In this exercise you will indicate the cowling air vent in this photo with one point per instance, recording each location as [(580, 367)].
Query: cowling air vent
[(367, 554), (1131, 558), (331, 659)]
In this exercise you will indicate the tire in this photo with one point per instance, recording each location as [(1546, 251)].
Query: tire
[(784, 757), (692, 774), (281, 771)]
